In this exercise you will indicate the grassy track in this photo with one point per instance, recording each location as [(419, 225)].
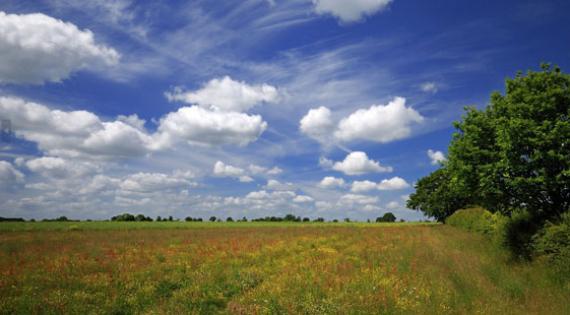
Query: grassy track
[(103, 268)]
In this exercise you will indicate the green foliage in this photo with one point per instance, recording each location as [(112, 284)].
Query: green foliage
[(191, 219), (438, 195), (472, 152), (387, 217), (553, 243), (515, 154), (2, 219), (286, 218), (517, 234), (123, 217), (291, 218), (127, 217), (533, 134), (477, 220), (58, 219), (142, 218)]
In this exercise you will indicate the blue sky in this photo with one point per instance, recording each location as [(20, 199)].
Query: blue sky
[(322, 108)]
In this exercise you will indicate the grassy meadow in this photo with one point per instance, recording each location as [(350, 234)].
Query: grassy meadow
[(265, 268)]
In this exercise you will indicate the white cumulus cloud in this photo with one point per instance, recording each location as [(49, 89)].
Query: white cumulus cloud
[(363, 186), (436, 157), (394, 183), (332, 182), (100, 183), (318, 124), (243, 175), (303, 199), (263, 199), (274, 171), (152, 182), (379, 123), (35, 48), (260, 170), (273, 184), (55, 167), (73, 133), (358, 163), (200, 126), (83, 134), (350, 10), (119, 139), (245, 179), (223, 170), (226, 94)]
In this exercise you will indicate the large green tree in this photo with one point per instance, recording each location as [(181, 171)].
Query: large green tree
[(515, 154), (472, 155), (533, 138)]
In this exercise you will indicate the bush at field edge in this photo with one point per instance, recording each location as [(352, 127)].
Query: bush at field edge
[(476, 219), (552, 243)]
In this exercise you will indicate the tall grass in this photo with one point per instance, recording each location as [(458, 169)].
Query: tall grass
[(281, 269)]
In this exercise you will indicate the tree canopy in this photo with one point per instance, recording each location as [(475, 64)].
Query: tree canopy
[(512, 155), (387, 217)]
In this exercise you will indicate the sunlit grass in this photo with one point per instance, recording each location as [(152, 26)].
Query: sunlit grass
[(242, 268)]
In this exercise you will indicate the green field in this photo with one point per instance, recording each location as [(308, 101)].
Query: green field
[(265, 268)]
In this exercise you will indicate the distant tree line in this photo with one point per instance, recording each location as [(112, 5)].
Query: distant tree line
[(286, 218), (191, 219), (59, 219), (388, 217), (2, 219), (165, 219), (128, 217)]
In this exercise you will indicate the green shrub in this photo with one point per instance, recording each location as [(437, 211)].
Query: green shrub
[(517, 234), (553, 244), (476, 219)]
